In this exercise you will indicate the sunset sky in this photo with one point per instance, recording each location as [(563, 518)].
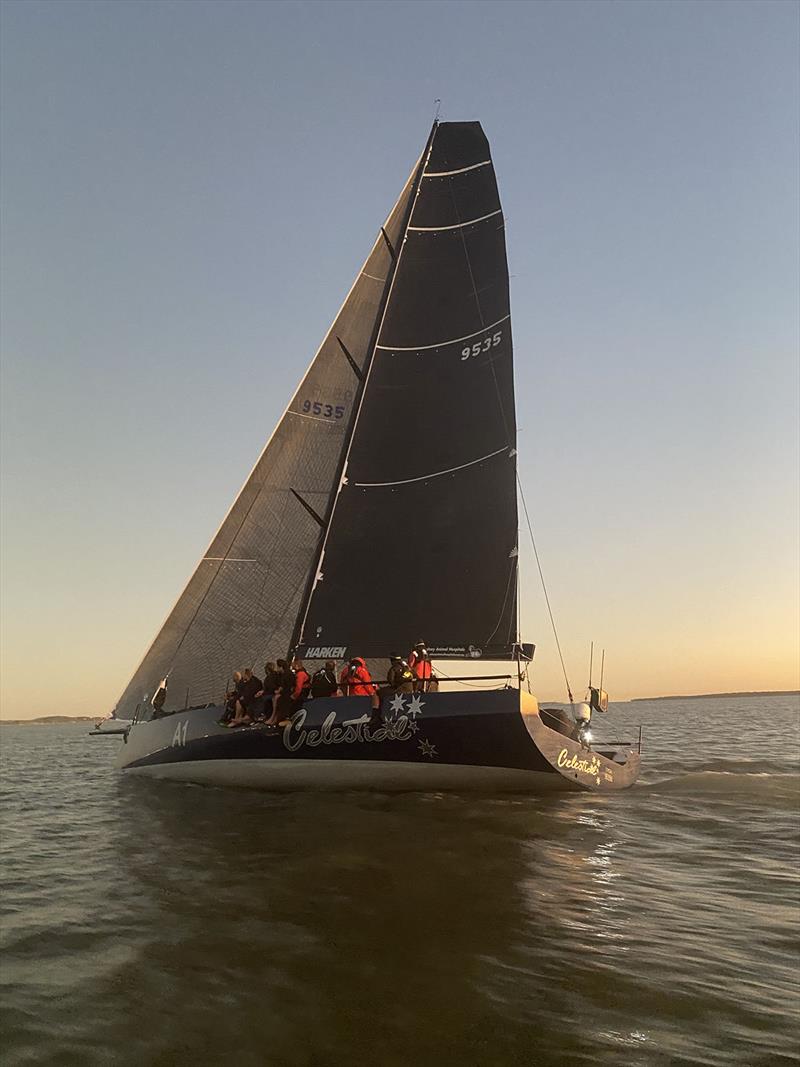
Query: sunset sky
[(188, 190)]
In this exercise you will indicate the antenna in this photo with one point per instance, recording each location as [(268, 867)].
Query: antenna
[(602, 668), (438, 103), (591, 657)]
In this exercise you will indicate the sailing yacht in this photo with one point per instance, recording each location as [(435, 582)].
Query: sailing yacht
[(383, 508)]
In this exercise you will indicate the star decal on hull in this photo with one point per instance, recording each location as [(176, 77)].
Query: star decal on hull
[(427, 749), (396, 704), (416, 706)]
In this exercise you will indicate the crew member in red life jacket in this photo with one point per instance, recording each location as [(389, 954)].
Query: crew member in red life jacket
[(302, 683), (356, 680), (420, 664)]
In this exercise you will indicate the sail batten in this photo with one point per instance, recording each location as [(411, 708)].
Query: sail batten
[(443, 344), (461, 170), (434, 474), (454, 226)]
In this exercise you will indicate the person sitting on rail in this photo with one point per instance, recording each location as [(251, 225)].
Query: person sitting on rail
[(282, 697), (230, 699), (302, 683), (246, 701), (268, 687), (356, 680), (323, 681)]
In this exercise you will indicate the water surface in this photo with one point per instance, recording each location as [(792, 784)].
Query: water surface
[(156, 923)]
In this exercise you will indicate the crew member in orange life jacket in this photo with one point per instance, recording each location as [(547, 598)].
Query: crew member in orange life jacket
[(356, 680), (420, 664), (302, 683)]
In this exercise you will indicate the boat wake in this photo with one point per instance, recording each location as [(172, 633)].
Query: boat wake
[(758, 786)]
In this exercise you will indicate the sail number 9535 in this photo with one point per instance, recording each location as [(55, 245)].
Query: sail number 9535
[(482, 346), (326, 411)]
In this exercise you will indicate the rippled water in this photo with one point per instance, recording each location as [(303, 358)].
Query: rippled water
[(154, 923)]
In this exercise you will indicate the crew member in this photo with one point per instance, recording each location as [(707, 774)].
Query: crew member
[(400, 676), (302, 683), (282, 699), (323, 681), (231, 697), (420, 664), (246, 700), (268, 687), (356, 680), (400, 679)]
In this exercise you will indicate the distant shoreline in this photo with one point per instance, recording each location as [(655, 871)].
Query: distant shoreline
[(51, 720), (706, 696), (63, 720)]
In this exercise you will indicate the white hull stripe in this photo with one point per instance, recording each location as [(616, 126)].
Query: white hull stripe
[(442, 344), (458, 225), (461, 170), (435, 474)]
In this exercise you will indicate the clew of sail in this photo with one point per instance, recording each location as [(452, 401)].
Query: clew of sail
[(241, 604), (422, 540)]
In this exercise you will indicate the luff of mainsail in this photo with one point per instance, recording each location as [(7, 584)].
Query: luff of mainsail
[(243, 600), (422, 540)]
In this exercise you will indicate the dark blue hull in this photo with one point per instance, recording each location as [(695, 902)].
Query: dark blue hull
[(484, 740)]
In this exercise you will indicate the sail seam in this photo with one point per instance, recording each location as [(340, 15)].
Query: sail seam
[(442, 344), (461, 170), (457, 226), (435, 474)]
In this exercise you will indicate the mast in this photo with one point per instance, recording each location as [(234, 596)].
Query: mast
[(396, 253)]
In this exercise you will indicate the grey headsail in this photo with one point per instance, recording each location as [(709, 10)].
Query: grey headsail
[(242, 603), (422, 541)]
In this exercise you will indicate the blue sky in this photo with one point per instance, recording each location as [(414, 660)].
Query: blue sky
[(187, 192)]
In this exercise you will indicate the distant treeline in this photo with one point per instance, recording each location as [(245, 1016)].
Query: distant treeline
[(44, 720), (705, 696)]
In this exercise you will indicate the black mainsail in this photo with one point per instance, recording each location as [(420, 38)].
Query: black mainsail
[(383, 508), (422, 540)]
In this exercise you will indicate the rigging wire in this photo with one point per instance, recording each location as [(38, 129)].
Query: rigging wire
[(471, 685), (544, 587)]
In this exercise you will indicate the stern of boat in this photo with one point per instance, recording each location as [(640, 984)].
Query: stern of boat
[(579, 763)]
